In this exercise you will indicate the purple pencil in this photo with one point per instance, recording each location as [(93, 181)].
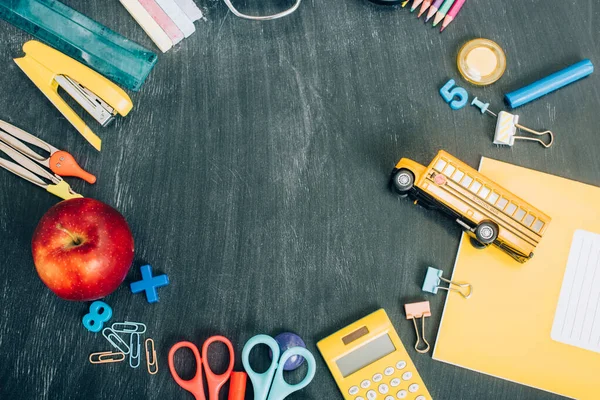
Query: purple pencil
[(433, 9)]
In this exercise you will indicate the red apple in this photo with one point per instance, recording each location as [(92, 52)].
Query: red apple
[(82, 249)]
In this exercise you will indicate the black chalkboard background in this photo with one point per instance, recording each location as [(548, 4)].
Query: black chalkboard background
[(253, 171)]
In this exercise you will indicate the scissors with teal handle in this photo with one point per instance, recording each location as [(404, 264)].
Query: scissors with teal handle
[(270, 385)]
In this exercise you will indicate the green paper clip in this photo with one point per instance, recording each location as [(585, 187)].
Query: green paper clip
[(119, 59)]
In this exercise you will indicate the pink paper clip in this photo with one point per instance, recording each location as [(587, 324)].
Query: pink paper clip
[(419, 310)]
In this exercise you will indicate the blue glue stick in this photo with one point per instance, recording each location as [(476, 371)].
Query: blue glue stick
[(549, 84)]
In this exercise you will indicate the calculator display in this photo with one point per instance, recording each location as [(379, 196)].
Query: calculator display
[(365, 355)]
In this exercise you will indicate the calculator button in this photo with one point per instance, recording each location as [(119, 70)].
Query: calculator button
[(377, 378), (353, 390), (420, 398), (362, 398), (413, 388), (401, 364), (383, 388), (389, 398), (371, 395), (407, 375), (365, 384), (395, 382), (402, 394), (388, 371)]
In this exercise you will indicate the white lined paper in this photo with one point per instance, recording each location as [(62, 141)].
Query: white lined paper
[(577, 318)]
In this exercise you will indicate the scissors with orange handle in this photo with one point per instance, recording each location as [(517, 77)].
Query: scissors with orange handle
[(195, 385)]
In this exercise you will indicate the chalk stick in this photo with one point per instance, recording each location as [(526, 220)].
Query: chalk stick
[(163, 20), (152, 29), (190, 9), (549, 84), (178, 16)]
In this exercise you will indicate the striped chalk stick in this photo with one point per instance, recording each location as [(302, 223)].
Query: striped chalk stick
[(150, 26), (178, 16), (163, 20)]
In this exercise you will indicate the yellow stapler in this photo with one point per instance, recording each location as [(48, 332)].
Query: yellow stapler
[(48, 69)]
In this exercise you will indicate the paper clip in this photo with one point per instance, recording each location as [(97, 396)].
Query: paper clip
[(120, 344), (419, 310), (135, 345), (149, 344), (105, 357), (433, 279), (129, 327)]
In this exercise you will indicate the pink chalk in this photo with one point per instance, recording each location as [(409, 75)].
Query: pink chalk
[(163, 20)]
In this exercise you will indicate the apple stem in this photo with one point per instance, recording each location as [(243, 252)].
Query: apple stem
[(76, 240)]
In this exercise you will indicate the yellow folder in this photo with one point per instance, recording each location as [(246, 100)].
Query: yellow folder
[(504, 328)]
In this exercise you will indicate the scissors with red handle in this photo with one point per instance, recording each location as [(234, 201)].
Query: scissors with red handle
[(195, 385)]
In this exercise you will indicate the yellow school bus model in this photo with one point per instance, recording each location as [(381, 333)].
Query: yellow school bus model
[(488, 213)]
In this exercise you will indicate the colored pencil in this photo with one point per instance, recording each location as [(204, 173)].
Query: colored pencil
[(405, 3), (442, 12), (416, 4), (424, 7), (452, 14), (433, 9)]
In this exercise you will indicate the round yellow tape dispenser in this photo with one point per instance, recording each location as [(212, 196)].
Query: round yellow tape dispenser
[(481, 62)]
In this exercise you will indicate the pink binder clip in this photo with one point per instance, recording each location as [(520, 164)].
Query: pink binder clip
[(419, 310)]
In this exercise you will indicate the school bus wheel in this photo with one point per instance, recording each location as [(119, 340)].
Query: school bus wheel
[(486, 232), (403, 181), (477, 244)]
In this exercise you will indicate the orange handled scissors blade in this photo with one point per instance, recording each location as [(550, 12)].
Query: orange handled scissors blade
[(216, 382), (195, 385)]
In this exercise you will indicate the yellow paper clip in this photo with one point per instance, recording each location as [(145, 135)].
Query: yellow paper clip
[(49, 68), (419, 310), (105, 357), (154, 363)]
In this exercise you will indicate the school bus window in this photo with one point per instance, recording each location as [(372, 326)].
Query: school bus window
[(537, 227), (528, 220), (484, 192), (475, 187), (493, 198), (520, 214), (440, 165), (510, 210), (502, 203), (449, 170), (466, 181), (458, 175)]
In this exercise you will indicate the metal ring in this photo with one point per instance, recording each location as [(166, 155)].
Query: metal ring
[(264, 17)]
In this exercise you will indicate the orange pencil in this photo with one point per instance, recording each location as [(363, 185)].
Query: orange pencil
[(424, 7)]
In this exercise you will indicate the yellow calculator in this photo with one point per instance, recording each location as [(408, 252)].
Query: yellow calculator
[(369, 362)]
